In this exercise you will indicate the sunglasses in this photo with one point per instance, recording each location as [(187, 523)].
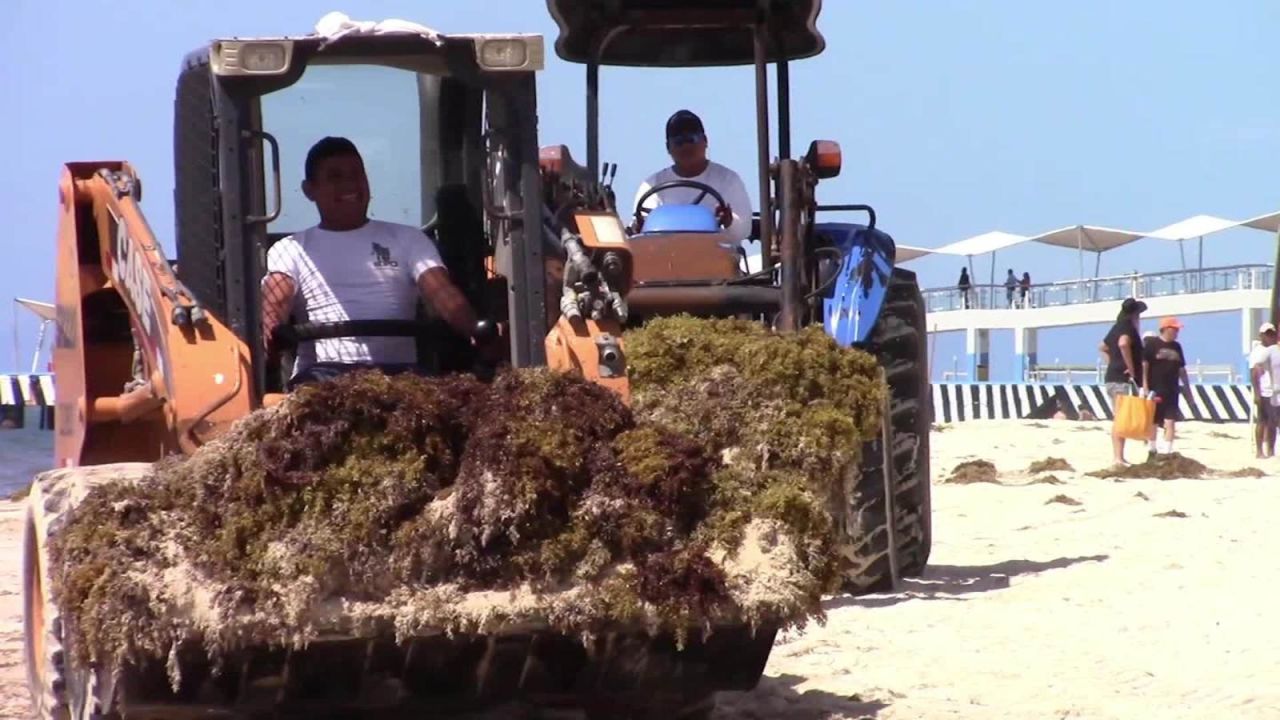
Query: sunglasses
[(685, 139)]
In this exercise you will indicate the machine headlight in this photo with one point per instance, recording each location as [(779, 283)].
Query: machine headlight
[(251, 58), (522, 52)]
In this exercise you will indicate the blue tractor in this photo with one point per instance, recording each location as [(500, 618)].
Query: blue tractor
[(839, 274)]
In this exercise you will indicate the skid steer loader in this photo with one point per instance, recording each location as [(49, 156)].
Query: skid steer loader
[(154, 360)]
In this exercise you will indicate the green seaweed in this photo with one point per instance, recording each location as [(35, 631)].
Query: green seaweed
[(370, 488)]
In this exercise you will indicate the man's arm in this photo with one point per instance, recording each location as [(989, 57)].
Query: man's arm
[(279, 288), (438, 290), (278, 291), (1255, 373), (434, 285), (1182, 373), (638, 220), (1126, 354), (735, 195)]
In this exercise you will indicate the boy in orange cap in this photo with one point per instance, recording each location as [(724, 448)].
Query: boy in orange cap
[(1165, 375)]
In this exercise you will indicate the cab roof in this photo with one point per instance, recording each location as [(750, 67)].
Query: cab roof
[(684, 33)]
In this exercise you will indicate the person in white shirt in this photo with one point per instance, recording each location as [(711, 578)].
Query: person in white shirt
[(687, 145), (351, 267), (1264, 368)]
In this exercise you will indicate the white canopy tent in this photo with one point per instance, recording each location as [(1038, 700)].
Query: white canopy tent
[(907, 253), (988, 242), (47, 313), (1269, 222), (1197, 226), (1098, 239), (1093, 238)]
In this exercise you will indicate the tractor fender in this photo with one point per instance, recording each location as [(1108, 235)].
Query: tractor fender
[(851, 303)]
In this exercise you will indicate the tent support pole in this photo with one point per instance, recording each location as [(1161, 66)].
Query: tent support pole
[(35, 356), (1186, 277), (17, 354), (1080, 248)]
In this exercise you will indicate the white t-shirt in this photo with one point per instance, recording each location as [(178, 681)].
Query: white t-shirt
[(724, 180), (369, 273), (1269, 359)]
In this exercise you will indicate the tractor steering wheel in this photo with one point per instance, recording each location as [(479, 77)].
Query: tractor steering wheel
[(706, 189)]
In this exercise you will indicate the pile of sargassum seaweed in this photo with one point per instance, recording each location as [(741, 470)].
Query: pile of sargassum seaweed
[(372, 505)]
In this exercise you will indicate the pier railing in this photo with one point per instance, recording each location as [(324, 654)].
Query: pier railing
[(1112, 288)]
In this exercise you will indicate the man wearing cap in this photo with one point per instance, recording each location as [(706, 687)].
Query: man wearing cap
[(1262, 360), (1122, 349), (687, 145), (1165, 375)]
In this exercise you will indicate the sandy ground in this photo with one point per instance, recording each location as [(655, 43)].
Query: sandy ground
[(14, 700), (1030, 608)]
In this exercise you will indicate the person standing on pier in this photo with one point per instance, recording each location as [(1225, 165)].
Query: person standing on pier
[(1010, 284), (964, 286), (1122, 350), (1025, 287)]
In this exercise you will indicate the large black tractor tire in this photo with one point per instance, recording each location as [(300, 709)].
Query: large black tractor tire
[(898, 341), (59, 689)]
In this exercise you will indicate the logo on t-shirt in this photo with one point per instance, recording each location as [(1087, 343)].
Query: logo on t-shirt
[(382, 257)]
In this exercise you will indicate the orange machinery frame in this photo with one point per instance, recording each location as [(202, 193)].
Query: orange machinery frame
[(175, 378)]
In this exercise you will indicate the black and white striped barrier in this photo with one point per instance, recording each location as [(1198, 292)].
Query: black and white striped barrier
[(952, 402), (26, 389), (961, 402)]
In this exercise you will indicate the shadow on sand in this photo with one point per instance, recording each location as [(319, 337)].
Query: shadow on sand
[(777, 697), (952, 582)]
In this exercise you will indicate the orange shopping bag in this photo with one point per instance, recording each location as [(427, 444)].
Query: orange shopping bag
[(1134, 417)]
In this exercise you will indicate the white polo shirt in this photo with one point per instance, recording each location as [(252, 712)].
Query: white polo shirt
[(369, 273)]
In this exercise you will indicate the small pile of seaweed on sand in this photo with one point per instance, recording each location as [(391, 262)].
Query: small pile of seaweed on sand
[(1062, 500), (371, 505), (1244, 472), (1170, 466), (1049, 464), (974, 471)]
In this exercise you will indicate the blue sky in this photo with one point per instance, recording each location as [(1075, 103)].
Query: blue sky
[(955, 118)]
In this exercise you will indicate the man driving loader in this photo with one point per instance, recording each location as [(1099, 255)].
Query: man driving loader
[(687, 145), (351, 267)]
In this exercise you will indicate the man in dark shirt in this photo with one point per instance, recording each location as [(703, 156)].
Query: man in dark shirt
[(1165, 375), (1122, 349)]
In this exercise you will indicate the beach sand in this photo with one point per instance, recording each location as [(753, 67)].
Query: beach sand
[(1107, 603), (1039, 609)]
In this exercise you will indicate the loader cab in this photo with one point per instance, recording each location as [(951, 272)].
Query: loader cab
[(446, 127)]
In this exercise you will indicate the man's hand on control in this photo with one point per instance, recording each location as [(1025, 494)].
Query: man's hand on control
[(724, 214), (487, 340)]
